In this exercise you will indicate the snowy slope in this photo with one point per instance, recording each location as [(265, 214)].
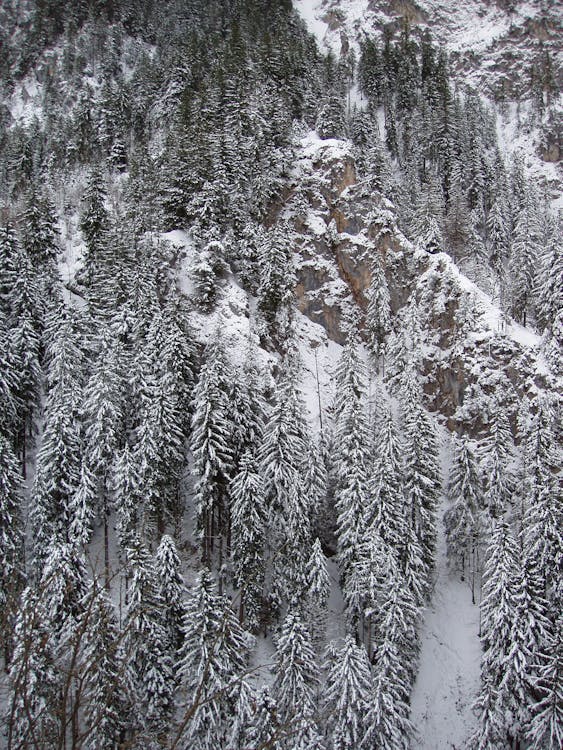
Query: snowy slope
[(488, 49), (448, 677)]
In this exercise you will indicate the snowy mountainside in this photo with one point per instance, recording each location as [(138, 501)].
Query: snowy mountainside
[(279, 375), (339, 227), (494, 47)]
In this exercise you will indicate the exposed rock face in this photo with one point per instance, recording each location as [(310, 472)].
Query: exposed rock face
[(340, 229)]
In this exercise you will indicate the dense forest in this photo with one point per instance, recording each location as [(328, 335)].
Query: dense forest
[(177, 531)]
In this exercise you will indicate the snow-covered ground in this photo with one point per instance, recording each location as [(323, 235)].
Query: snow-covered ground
[(448, 676)]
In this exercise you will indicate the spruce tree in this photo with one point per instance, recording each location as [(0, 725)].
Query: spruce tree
[(170, 590), (12, 574), (295, 685), (106, 693), (289, 516), (211, 447), (503, 701), (34, 679), (247, 539), (421, 473), (463, 518), (211, 667), (145, 641), (347, 695), (378, 315), (318, 583), (545, 730)]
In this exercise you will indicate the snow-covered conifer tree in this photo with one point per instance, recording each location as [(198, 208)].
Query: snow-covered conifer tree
[(211, 446), (11, 542), (463, 518), (347, 695), (211, 667), (295, 685), (247, 538)]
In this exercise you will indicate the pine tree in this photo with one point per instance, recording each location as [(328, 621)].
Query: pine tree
[(347, 695), (316, 488), (170, 590), (351, 500), (107, 699), (503, 668), (525, 250), (40, 235), (34, 680), (211, 446), (127, 495), (104, 427), (248, 525), (289, 516), (426, 223), (385, 512), (295, 685), (94, 225), (59, 458), (248, 407), (145, 640), (499, 479), (11, 543), (462, 518), (421, 473), (24, 347), (265, 730), (387, 720), (378, 315), (275, 293), (543, 514), (545, 729), (211, 667)]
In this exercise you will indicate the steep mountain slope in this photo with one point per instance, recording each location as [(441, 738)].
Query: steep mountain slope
[(510, 52), (279, 369)]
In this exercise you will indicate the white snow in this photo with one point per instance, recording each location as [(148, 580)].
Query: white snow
[(448, 676)]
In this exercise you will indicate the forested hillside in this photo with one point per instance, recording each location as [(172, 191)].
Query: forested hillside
[(280, 376)]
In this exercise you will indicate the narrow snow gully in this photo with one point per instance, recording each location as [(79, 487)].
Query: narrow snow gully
[(448, 677)]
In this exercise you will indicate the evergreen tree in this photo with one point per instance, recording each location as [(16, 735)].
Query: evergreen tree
[(59, 458), (426, 224), (543, 514), (24, 346), (421, 473), (462, 519), (385, 512), (499, 480), (170, 591), (275, 293), (387, 720), (94, 225), (378, 315), (145, 641), (347, 695), (211, 446), (289, 516), (107, 699), (546, 725), (34, 680), (211, 667), (318, 583), (525, 250), (40, 234), (502, 704), (11, 543), (295, 685), (248, 528)]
